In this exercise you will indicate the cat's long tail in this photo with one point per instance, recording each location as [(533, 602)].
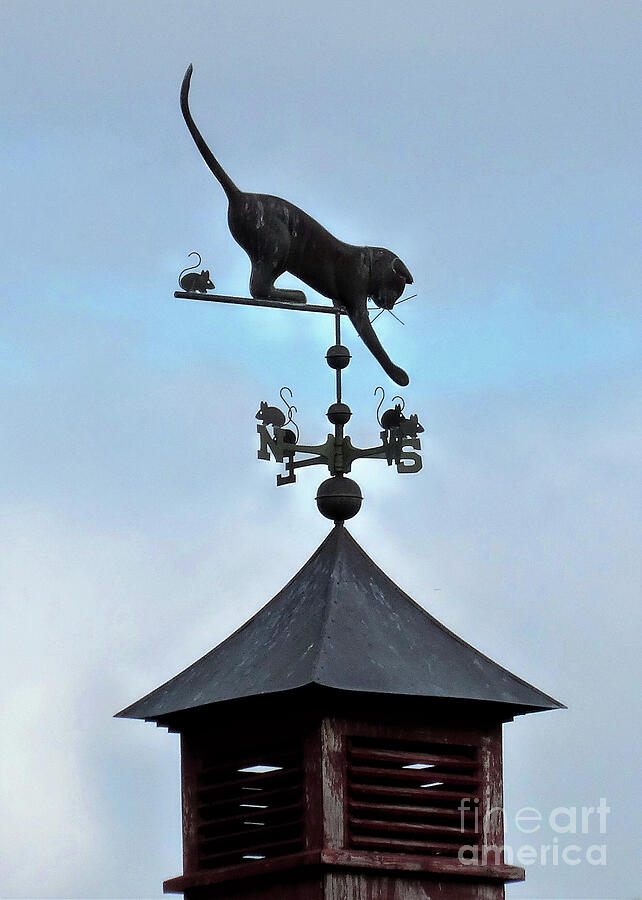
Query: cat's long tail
[(216, 168), (366, 332)]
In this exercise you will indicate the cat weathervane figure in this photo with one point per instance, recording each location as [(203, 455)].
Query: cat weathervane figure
[(279, 237)]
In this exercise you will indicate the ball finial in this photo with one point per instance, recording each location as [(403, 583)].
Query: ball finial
[(339, 498), (338, 356)]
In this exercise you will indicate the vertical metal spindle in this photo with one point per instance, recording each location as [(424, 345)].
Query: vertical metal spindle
[(337, 340), (338, 428)]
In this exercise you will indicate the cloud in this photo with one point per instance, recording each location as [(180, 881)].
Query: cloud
[(492, 148)]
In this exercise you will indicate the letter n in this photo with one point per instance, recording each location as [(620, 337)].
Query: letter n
[(268, 443)]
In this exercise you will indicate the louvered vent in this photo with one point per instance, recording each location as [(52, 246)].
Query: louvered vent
[(404, 797), (249, 806)]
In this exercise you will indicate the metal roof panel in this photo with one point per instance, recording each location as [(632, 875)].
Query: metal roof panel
[(341, 623)]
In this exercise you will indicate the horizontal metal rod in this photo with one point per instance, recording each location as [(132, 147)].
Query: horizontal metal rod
[(269, 304)]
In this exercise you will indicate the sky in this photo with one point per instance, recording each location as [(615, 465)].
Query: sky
[(495, 147)]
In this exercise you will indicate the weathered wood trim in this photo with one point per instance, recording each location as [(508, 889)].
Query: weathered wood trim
[(258, 868), (367, 885), (397, 862), (492, 821), (331, 859), (313, 789), (387, 726), (333, 762), (189, 767)]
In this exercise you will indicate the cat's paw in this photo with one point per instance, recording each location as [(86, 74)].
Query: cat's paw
[(287, 296)]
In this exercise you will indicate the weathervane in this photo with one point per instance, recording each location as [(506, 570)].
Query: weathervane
[(279, 237)]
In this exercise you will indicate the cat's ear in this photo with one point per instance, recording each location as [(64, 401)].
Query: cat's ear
[(399, 268)]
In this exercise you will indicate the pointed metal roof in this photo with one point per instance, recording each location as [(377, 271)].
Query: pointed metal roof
[(341, 623)]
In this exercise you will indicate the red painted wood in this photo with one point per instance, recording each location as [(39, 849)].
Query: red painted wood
[(369, 886), (265, 814), (391, 862), (375, 790), (258, 869), (313, 788), (409, 811), (427, 758), (333, 763), (189, 805), (388, 844), (208, 778), (344, 737), (492, 797), (280, 847), (366, 772), (418, 828)]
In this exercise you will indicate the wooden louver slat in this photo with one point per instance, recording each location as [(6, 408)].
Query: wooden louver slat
[(368, 773), (245, 815), (405, 797), (400, 756)]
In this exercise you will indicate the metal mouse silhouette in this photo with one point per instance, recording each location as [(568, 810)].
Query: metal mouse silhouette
[(279, 237)]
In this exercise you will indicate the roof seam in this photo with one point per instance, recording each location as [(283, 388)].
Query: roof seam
[(331, 597), (447, 630)]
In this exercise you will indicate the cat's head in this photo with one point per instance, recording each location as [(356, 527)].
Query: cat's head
[(388, 278)]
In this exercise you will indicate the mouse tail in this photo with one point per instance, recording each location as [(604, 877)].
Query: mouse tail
[(383, 397), (366, 332), (213, 164), (189, 268)]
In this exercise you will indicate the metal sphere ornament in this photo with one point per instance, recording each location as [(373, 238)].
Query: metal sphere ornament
[(339, 498), (339, 413), (338, 356)]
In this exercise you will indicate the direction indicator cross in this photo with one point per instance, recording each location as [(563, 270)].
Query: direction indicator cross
[(339, 497)]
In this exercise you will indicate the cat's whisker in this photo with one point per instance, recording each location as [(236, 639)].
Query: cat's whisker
[(377, 316), (396, 317), (403, 299)]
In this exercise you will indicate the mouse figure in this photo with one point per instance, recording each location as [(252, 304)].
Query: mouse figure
[(410, 428), (396, 427), (391, 418), (271, 415), (283, 441), (195, 281), (279, 237)]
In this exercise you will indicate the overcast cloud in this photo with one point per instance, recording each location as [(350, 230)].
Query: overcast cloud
[(495, 147)]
